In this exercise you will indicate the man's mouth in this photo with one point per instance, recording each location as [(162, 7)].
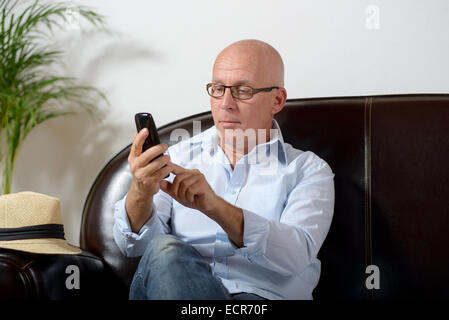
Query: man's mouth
[(229, 123)]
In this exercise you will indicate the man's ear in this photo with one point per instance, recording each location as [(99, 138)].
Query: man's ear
[(279, 100)]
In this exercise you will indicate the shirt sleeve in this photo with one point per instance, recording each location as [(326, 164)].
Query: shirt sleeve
[(133, 244), (288, 246)]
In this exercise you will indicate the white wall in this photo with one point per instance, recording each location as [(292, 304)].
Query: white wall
[(160, 59)]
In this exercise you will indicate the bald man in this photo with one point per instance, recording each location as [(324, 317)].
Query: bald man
[(243, 214)]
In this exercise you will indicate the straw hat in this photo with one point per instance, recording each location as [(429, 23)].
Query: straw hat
[(32, 222)]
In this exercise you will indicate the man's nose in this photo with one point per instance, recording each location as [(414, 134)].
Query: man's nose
[(228, 101)]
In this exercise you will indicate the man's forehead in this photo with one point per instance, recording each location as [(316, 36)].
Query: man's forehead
[(239, 72), (250, 76), (237, 81)]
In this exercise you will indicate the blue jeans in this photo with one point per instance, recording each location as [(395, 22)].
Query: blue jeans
[(171, 269)]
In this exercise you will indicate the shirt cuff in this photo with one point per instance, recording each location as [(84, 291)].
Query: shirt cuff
[(128, 240), (255, 235)]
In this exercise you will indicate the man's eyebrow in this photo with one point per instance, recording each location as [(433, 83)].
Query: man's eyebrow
[(237, 83)]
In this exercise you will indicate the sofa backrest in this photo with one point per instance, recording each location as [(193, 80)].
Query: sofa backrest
[(390, 156)]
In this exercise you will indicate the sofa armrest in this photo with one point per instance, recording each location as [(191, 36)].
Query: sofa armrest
[(52, 277)]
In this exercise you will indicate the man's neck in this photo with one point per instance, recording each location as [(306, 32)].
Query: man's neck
[(233, 154), (235, 150)]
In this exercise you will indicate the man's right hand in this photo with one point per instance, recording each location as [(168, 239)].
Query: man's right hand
[(147, 175)]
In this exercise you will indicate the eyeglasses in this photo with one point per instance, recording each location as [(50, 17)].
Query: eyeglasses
[(238, 92)]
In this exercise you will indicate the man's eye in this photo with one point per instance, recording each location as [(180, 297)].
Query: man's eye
[(243, 91), (218, 89)]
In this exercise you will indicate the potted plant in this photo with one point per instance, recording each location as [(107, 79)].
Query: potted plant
[(30, 93)]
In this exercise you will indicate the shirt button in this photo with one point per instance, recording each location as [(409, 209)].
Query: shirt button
[(220, 260)]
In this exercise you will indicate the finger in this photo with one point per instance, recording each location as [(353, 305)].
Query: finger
[(177, 169), (164, 172), (185, 185), (192, 192), (151, 154), (177, 182), (155, 165), (139, 139)]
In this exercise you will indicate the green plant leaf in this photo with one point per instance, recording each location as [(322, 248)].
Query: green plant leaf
[(30, 93)]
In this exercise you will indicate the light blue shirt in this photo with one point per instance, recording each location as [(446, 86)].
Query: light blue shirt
[(287, 199)]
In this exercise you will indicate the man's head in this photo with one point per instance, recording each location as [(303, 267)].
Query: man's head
[(251, 63)]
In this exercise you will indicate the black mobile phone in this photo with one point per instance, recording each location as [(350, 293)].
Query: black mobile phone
[(145, 120)]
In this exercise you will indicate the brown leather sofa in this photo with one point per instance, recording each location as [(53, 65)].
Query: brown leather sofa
[(390, 156)]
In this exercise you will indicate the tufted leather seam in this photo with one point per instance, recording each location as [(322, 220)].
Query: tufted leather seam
[(23, 272), (367, 165)]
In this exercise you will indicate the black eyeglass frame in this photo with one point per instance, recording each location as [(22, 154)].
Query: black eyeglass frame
[(253, 90)]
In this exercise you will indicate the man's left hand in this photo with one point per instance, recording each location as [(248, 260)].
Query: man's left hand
[(190, 189)]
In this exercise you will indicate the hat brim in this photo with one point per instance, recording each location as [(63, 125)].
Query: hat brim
[(42, 246)]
